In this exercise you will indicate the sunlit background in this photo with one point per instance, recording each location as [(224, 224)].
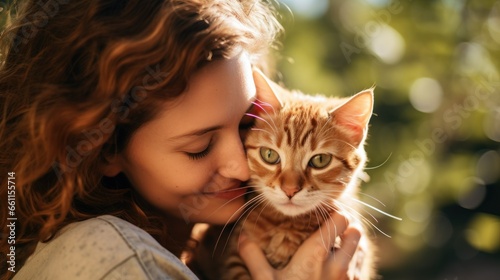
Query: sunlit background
[(434, 144)]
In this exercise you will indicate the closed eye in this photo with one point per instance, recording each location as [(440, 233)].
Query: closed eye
[(201, 154)]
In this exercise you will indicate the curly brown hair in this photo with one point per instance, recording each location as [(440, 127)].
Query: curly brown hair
[(78, 78)]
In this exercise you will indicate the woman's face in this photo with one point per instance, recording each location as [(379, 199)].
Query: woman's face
[(189, 161)]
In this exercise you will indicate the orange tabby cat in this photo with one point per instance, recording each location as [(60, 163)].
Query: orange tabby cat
[(305, 155)]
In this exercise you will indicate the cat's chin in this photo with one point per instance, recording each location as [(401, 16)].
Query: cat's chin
[(292, 209)]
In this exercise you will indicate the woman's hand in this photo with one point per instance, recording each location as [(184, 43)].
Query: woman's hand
[(314, 259)]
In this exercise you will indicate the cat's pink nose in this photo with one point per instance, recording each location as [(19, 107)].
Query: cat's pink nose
[(290, 191)]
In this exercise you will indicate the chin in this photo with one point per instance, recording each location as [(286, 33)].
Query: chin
[(293, 210)]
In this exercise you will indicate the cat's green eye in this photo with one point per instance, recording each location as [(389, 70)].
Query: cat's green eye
[(269, 155), (320, 160)]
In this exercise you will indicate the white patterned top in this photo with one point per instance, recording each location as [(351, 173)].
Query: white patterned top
[(104, 248)]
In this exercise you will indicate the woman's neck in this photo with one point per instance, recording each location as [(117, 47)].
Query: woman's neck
[(179, 233)]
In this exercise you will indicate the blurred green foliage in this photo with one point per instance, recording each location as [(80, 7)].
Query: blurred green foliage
[(434, 138)]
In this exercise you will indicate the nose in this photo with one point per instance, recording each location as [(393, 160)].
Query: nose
[(290, 191), (291, 182), (233, 163)]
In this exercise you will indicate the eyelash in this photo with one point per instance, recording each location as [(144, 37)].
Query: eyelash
[(202, 154)]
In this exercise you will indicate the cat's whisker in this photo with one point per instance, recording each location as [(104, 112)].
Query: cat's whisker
[(380, 165), (347, 212), (335, 243), (258, 216), (331, 193), (274, 128), (336, 181), (259, 129), (332, 207), (325, 134), (345, 178), (361, 193), (320, 132), (265, 111), (372, 197), (376, 209), (357, 212), (248, 210), (257, 204), (220, 236), (340, 182), (325, 215), (261, 105), (232, 199), (342, 141), (363, 218), (339, 207), (318, 212), (328, 205), (248, 204)]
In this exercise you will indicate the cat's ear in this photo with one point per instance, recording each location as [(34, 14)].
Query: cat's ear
[(355, 114), (267, 91)]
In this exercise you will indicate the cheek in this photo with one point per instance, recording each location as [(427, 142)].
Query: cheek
[(332, 183), (329, 176), (260, 173), (161, 177)]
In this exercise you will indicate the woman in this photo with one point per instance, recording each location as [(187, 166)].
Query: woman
[(121, 125)]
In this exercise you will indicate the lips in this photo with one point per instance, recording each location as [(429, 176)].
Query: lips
[(232, 192)]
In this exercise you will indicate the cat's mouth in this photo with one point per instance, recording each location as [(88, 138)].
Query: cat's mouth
[(290, 204), (291, 208)]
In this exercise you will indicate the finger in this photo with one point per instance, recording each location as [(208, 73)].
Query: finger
[(329, 230), (356, 265), (350, 241), (254, 258)]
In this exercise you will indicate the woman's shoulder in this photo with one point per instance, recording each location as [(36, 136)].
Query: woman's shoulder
[(105, 247)]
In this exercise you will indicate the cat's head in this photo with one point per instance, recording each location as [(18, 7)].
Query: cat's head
[(305, 151)]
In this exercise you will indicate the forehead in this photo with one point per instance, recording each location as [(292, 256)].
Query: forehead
[(217, 94), (298, 126), (229, 78)]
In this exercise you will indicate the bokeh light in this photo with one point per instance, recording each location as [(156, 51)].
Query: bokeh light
[(493, 23), (426, 95), (387, 44), (307, 8), (488, 167), (492, 125), (484, 233), (475, 196)]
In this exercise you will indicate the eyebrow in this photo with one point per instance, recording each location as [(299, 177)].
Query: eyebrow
[(202, 131), (197, 132)]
